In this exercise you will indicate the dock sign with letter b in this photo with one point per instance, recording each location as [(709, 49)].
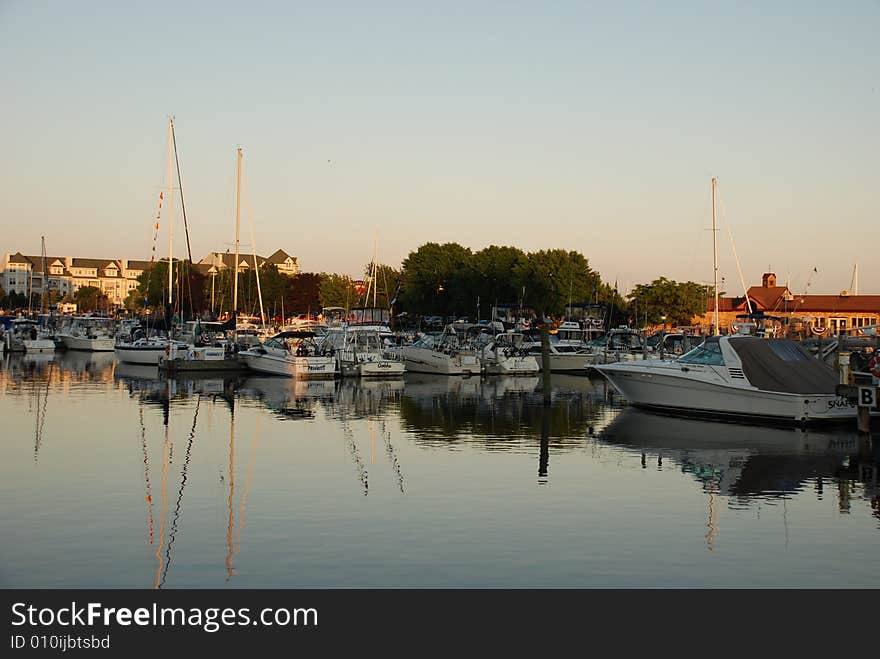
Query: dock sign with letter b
[(867, 397)]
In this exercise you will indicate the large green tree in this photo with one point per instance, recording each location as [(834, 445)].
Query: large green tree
[(436, 278), (90, 298), (665, 302), (554, 278), (338, 291)]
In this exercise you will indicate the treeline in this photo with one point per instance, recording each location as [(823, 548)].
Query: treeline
[(435, 279)]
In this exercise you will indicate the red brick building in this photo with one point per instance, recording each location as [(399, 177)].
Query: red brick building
[(786, 312)]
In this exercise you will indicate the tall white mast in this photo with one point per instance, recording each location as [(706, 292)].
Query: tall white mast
[(375, 268), (237, 223), (715, 261), (170, 209), (45, 289)]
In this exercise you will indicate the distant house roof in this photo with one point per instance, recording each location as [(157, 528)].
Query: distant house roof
[(835, 303), (726, 304), (138, 265), (768, 297), (280, 256), (18, 257), (35, 261), (93, 263), (205, 268), (226, 259)]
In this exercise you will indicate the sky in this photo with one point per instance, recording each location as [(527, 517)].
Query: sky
[(588, 126)]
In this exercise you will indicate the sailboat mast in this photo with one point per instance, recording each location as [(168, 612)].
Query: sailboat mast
[(237, 223), (170, 209), (45, 289), (715, 261), (375, 269)]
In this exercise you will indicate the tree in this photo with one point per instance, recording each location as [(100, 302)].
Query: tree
[(338, 291), (90, 298), (556, 277), (387, 281), (435, 278), (305, 293), (666, 302)]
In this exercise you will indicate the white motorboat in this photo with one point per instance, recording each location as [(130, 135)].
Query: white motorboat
[(291, 354), (505, 354), (146, 350), (443, 355), (564, 357), (90, 333), (25, 335), (737, 377), (360, 352), (620, 344)]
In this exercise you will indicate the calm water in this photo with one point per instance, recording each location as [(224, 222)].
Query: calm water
[(113, 477)]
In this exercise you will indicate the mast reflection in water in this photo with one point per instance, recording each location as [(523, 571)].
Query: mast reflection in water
[(111, 475)]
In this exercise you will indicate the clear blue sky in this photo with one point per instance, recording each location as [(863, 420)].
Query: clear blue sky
[(589, 126)]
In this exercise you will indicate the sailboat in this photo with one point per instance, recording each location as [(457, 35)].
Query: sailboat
[(143, 348), (25, 334)]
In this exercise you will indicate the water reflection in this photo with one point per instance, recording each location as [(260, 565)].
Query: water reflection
[(503, 413), (343, 456), (748, 465)]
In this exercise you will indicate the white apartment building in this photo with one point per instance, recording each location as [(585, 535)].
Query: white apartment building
[(67, 274), (216, 261)]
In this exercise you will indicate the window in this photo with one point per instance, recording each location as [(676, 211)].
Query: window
[(708, 353)]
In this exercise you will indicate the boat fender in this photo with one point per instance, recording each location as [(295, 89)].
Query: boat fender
[(874, 366)]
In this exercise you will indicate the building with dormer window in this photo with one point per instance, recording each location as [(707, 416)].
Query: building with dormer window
[(66, 274)]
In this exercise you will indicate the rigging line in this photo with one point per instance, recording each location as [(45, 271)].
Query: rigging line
[(185, 227), (163, 510), (362, 474), (736, 258), (392, 456), (230, 570), (149, 497), (247, 201), (183, 479), (247, 484), (41, 413)]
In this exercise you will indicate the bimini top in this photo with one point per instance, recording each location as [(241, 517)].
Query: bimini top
[(294, 334), (784, 366)]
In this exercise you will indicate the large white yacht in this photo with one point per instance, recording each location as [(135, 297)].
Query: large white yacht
[(445, 354), (739, 377), (505, 354), (25, 335), (360, 352), (291, 354), (90, 333)]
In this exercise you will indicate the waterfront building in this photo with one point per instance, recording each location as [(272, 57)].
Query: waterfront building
[(24, 274), (214, 262), (794, 313)]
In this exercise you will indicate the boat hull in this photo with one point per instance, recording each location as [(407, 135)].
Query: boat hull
[(99, 344), (422, 360), (147, 356), (290, 366), (38, 345), (670, 393), (511, 366)]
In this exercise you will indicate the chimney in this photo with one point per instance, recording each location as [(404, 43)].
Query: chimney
[(124, 264), (68, 261), (768, 280)]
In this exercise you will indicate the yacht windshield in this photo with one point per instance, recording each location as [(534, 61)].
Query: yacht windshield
[(708, 353)]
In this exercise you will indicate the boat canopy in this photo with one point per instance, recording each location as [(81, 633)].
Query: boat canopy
[(784, 366), (294, 334)]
